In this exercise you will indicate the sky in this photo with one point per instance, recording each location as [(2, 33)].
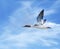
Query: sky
[(16, 13)]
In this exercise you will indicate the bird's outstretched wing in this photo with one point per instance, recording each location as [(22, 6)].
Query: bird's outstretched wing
[(40, 16)]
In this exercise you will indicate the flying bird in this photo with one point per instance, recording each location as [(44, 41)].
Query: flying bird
[(40, 22)]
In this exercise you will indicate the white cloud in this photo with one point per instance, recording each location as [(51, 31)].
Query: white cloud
[(27, 36), (26, 4), (32, 36), (49, 12)]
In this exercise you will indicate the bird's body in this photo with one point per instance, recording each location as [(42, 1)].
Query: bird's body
[(41, 27)]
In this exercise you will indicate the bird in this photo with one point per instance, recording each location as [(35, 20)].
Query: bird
[(40, 22)]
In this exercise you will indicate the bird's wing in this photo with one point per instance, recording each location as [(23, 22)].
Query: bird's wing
[(44, 21), (40, 16)]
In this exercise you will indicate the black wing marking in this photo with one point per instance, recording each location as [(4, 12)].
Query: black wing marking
[(44, 21), (40, 16), (27, 26)]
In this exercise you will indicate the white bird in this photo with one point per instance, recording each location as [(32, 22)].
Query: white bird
[(40, 21)]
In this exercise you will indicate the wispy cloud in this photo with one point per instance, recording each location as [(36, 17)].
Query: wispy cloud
[(26, 4), (16, 36), (32, 36)]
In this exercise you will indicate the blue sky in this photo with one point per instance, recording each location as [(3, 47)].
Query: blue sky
[(16, 13)]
